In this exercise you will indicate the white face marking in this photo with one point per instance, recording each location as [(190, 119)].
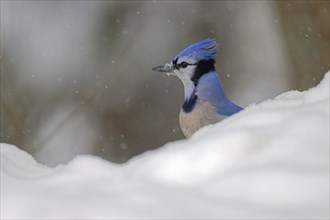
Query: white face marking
[(187, 72), (185, 75)]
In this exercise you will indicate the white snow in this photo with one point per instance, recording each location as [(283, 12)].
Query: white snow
[(269, 161)]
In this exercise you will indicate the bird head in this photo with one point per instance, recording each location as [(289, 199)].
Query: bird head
[(192, 62)]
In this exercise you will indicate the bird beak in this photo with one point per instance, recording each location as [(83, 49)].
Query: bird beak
[(167, 68)]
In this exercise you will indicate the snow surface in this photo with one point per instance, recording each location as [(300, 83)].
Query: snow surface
[(269, 161)]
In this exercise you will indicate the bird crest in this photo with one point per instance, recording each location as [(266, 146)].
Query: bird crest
[(202, 50)]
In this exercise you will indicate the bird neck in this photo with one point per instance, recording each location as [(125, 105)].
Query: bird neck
[(210, 90), (190, 100), (207, 88), (193, 84)]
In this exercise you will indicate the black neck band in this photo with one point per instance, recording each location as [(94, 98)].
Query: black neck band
[(189, 104), (203, 67)]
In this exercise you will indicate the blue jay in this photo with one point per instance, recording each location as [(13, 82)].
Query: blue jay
[(205, 102)]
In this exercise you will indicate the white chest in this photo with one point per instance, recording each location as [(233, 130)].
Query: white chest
[(202, 115)]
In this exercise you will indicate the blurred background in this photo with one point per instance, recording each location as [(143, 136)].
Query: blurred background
[(76, 76)]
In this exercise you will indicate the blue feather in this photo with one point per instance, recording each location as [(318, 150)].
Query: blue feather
[(205, 101), (202, 50), (211, 90)]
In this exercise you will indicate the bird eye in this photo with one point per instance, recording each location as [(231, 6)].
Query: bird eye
[(184, 64)]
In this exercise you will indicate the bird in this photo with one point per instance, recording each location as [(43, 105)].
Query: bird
[(205, 102)]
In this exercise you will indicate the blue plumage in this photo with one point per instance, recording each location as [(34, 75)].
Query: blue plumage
[(204, 99), (202, 50)]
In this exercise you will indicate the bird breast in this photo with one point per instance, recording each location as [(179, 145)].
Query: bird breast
[(203, 114)]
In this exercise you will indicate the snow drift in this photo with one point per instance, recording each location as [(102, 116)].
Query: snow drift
[(269, 161)]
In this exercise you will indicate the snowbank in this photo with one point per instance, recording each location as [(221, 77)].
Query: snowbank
[(269, 161)]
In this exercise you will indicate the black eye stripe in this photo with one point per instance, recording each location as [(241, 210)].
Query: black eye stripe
[(183, 64)]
